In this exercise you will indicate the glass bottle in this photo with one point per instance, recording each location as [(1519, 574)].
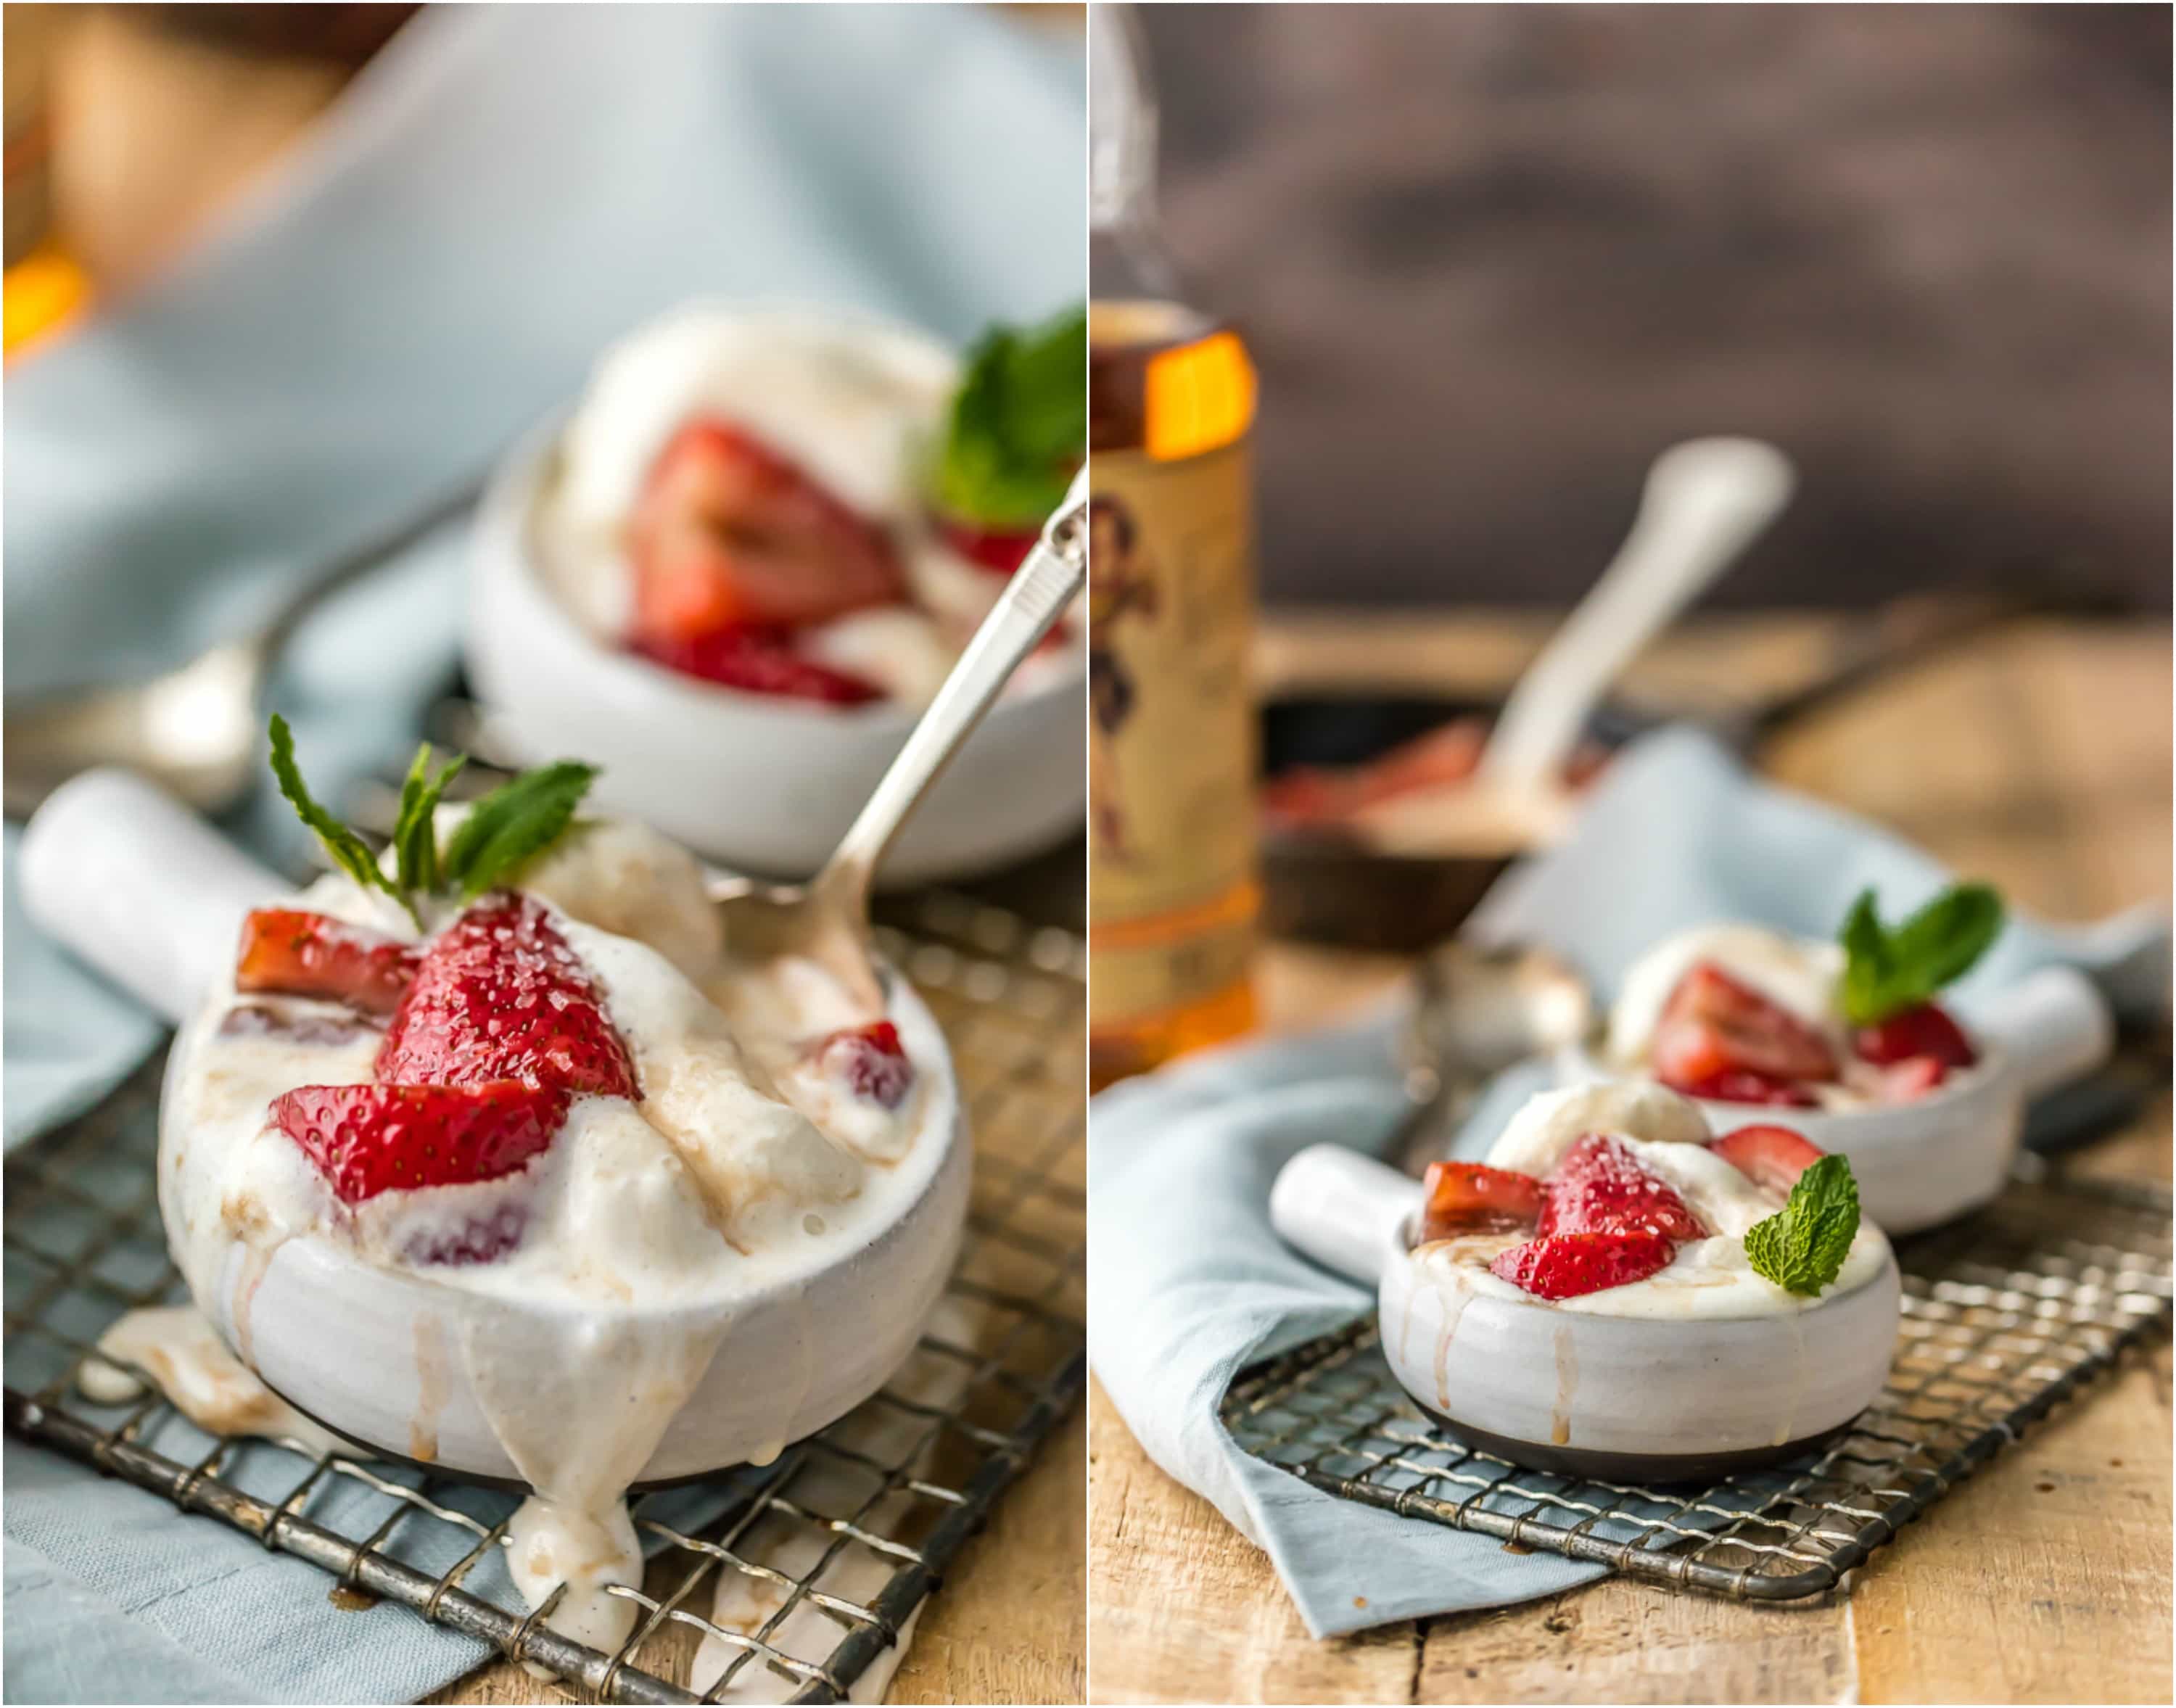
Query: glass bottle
[(1172, 890)]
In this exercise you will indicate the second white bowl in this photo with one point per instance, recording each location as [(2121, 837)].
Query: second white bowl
[(764, 785)]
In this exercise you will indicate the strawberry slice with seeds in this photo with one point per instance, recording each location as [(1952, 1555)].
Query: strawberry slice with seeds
[(366, 1139), (728, 532), (1470, 1198), (1924, 1031), (1563, 1265), (1773, 1157), (500, 995), (1599, 1187), (1714, 1025), (870, 1060), (286, 951), (757, 658)]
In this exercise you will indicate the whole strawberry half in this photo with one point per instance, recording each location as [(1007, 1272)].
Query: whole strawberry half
[(1563, 1265), (1770, 1157), (1471, 1198), (870, 1059), (366, 1139), (286, 951), (1714, 1024), (1599, 1187), (1924, 1031), (500, 995), (757, 658), (728, 532)]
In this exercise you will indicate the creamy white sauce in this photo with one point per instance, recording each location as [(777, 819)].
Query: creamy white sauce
[(739, 1167), (1667, 1134)]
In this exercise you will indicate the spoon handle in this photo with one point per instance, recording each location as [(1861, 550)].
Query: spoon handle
[(1040, 590), (1704, 502)]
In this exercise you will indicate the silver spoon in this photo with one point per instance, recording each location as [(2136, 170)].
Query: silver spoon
[(195, 730), (827, 919)]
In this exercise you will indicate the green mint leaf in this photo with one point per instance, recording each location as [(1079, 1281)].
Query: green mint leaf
[(1888, 970), (511, 824), (348, 851), (1019, 425), (1803, 1246), (415, 837)]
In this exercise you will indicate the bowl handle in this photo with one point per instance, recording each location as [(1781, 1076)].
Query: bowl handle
[(1345, 1211), (124, 875), (2054, 1024)]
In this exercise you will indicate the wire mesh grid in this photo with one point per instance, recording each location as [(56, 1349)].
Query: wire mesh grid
[(798, 1576), (2005, 1316)]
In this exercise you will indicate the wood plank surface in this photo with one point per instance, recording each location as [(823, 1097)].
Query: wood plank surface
[(2038, 759)]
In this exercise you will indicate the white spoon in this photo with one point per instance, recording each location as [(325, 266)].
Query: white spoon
[(1705, 501)]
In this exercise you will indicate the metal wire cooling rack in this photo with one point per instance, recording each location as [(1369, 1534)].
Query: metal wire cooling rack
[(824, 1557), (2006, 1316)]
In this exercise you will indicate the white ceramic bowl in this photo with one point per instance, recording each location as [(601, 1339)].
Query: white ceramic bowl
[(1631, 1399), (765, 785), (1925, 1162), (149, 894)]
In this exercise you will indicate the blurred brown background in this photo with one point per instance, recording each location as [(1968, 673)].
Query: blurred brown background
[(1493, 257)]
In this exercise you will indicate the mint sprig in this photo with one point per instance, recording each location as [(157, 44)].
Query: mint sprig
[(1019, 425), (503, 831), (1888, 970), (1803, 1246), (348, 851), (513, 824)]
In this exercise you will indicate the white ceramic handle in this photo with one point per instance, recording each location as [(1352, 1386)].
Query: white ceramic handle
[(1704, 502), (2054, 1025), (1343, 1210), (130, 879)]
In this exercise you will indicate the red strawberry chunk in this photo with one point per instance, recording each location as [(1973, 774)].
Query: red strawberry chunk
[(500, 995), (758, 659), (1469, 1198), (366, 1139), (1773, 1157), (1924, 1031), (728, 532), (1714, 1025), (871, 1060), (999, 550), (1736, 1085), (287, 952), (1563, 1265), (1911, 1079), (1599, 1187)]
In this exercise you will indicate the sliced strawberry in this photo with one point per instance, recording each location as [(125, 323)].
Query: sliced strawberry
[(728, 532), (1734, 1086), (1924, 1031), (999, 550), (288, 952), (1713, 1024), (366, 1139), (758, 659), (871, 1060), (1599, 1187), (1773, 1157), (500, 995), (1468, 1198), (1563, 1265), (1910, 1080)]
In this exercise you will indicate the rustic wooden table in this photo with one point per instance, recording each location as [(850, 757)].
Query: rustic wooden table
[(2039, 759)]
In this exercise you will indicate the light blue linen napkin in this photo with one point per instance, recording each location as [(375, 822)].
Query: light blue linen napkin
[(505, 190), (1189, 1285)]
